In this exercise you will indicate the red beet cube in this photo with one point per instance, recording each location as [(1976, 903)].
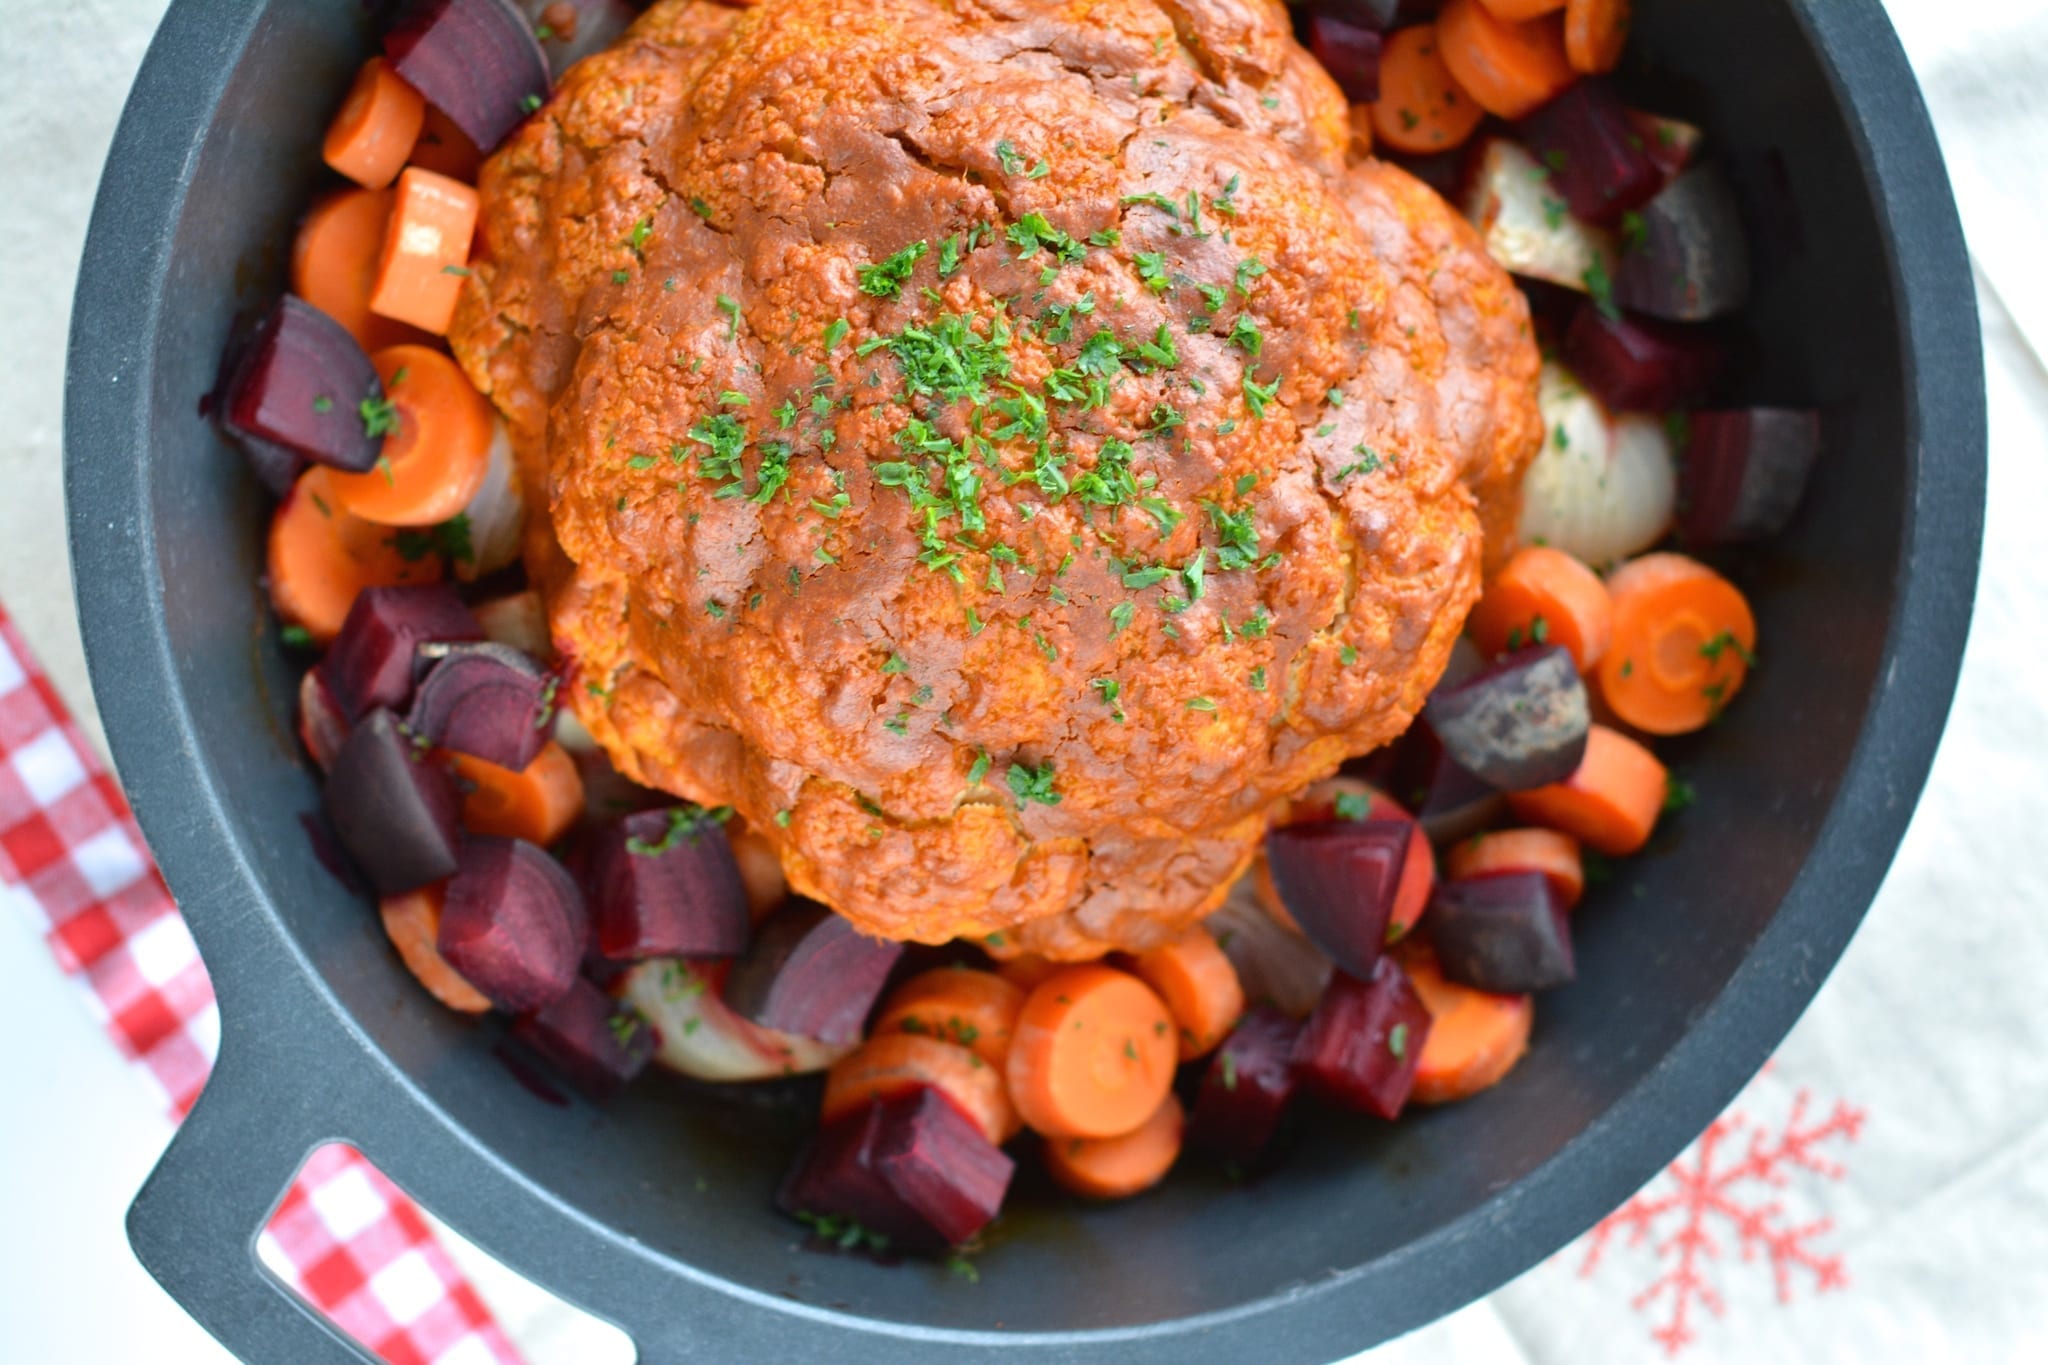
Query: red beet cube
[(373, 661), (1508, 933), (489, 701), (811, 973), (395, 811), (1247, 1086), (910, 1168), (595, 1043), (665, 884), (1340, 879), (513, 924), (1361, 1046)]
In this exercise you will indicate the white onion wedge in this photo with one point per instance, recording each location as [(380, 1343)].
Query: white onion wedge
[(1525, 223), (1604, 487), (497, 514), (701, 1038), (518, 619)]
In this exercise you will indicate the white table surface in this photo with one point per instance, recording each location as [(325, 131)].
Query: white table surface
[(78, 1132)]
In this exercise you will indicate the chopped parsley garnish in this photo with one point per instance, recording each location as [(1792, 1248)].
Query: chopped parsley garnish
[(1248, 271), (1713, 649), (731, 308), (323, 405), (1600, 285), (380, 417), (1678, 793), (885, 280), (1200, 704), (1353, 806), (1033, 231), (980, 768), (1397, 1041), (1007, 155), (1245, 333), (1152, 270), (1257, 395), (1030, 784), (835, 333), (684, 822), (1157, 201), (1634, 231)]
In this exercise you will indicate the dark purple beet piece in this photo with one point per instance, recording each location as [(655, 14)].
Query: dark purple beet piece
[(1520, 723), (1690, 261), (1596, 158), (1377, 15), (1640, 365), (374, 659), (396, 813), (513, 924), (1670, 143), (477, 61), (1743, 472), (489, 701), (1246, 1088), (1449, 802), (275, 467), (1507, 933), (910, 1169), (300, 384), (1350, 53), (1339, 880), (595, 1043), (939, 1164), (810, 973), (1361, 1046), (665, 884)]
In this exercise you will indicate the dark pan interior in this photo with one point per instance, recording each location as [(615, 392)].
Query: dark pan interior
[(687, 1173)]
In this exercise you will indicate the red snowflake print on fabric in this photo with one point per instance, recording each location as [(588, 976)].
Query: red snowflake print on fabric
[(1721, 1190)]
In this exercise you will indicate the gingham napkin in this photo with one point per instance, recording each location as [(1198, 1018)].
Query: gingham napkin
[(344, 1237)]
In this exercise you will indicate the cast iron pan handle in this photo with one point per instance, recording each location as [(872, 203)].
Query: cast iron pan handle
[(195, 1223)]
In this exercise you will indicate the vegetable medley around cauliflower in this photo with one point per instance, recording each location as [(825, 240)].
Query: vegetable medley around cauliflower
[(1002, 450)]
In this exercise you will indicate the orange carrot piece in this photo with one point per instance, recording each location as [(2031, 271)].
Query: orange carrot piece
[(1475, 1037), (1595, 32), (891, 1063), (1093, 1055), (1553, 854), (334, 265), (538, 803), (1119, 1167), (320, 557), (426, 251), (445, 149), (974, 1009), (1519, 11), (1420, 108), (1026, 970), (1198, 984), (379, 122), (1610, 804), (760, 869), (438, 448), (1510, 69), (413, 923), (1544, 596), (1684, 640)]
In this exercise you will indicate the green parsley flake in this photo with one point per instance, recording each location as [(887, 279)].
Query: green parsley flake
[(1030, 784), (885, 280)]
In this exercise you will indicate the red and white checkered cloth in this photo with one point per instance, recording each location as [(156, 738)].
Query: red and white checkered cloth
[(344, 1236)]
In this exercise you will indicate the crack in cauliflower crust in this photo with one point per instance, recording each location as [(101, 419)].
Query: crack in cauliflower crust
[(999, 447)]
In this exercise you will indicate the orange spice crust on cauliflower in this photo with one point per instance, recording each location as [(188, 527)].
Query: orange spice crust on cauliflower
[(1000, 448)]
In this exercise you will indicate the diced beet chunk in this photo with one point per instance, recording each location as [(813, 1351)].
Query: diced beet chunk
[(1377, 15), (1639, 365), (1744, 472), (1520, 723), (489, 701), (513, 924), (300, 384), (595, 1043), (1350, 53), (477, 61), (276, 467), (666, 884), (1671, 143), (1246, 1088), (1690, 261), (373, 661), (1361, 1046), (811, 973), (1507, 933), (396, 812), (1596, 158), (910, 1168), (1339, 880), (1449, 802)]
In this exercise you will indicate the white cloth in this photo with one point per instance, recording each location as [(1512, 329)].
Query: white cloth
[(1932, 1028)]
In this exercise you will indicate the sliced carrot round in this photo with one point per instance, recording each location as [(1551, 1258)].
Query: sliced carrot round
[(1595, 32), (973, 1009), (1474, 1039), (891, 1063), (438, 446), (1420, 109), (1544, 596), (377, 127), (334, 265), (320, 556), (1517, 11), (413, 923), (760, 869), (1553, 854), (1684, 640), (1198, 984), (537, 804), (445, 149), (1119, 1167), (1093, 1054), (1610, 804), (1027, 969), (1510, 69)]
